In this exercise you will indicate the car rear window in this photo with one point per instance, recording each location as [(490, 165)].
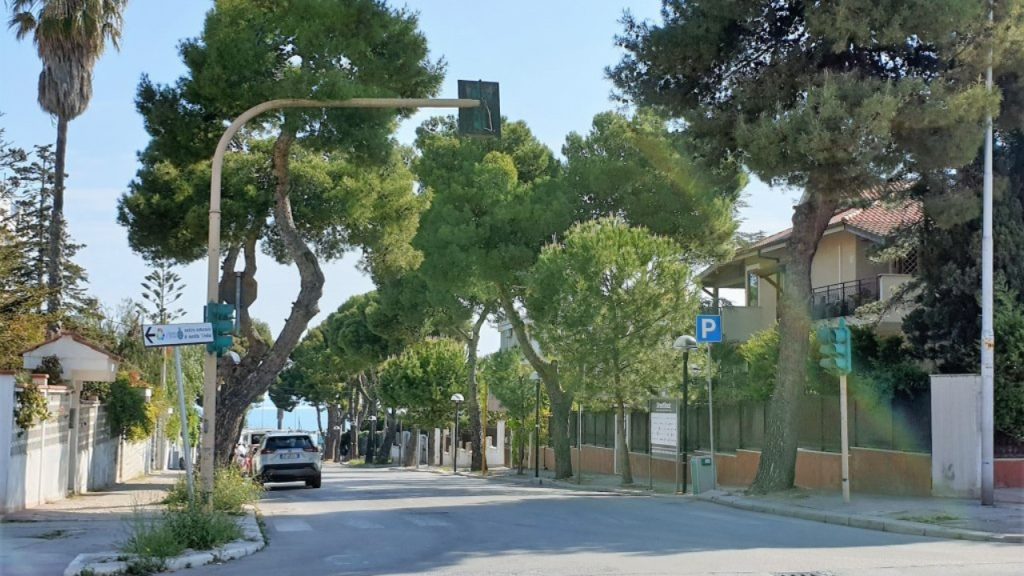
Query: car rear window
[(284, 442)]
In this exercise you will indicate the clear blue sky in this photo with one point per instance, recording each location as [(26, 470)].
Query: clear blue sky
[(548, 56)]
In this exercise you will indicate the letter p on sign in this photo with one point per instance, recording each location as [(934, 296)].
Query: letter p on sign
[(709, 328)]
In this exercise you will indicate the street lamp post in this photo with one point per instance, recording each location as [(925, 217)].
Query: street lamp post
[(457, 399), (686, 344), (536, 426), (371, 440), (401, 436)]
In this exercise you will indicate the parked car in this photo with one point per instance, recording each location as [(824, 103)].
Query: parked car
[(288, 457)]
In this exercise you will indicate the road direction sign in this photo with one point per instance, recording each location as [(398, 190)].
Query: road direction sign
[(709, 328), (160, 335)]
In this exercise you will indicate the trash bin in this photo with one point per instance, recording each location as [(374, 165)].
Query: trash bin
[(702, 474)]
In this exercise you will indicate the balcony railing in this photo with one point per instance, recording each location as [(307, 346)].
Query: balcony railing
[(842, 299)]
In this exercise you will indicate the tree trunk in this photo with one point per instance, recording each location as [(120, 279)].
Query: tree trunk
[(280, 419), (319, 422), (257, 371), (384, 449), (412, 449), (54, 279), (561, 401), (622, 450), (431, 449), (331, 440), (777, 468), (353, 411), (473, 403)]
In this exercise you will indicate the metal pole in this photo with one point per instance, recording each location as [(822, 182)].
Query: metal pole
[(845, 437), (579, 444), (183, 418), (686, 424), (401, 443), (455, 442), (711, 426), (988, 336), (213, 239), (536, 433), (650, 447)]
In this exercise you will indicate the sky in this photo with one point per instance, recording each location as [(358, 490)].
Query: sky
[(549, 58)]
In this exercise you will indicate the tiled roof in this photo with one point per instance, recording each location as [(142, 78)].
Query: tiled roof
[(879, 220)]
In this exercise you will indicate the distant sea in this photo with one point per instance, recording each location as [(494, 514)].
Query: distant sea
[(302, 418)]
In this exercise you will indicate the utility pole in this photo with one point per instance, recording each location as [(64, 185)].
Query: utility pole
[(988, 335)]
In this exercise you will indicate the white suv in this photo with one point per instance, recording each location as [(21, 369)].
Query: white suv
[(288, 457)]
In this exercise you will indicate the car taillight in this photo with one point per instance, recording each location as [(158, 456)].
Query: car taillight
[(267, 451), (310, 450)]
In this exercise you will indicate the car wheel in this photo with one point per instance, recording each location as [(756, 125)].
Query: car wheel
[(314, 483)]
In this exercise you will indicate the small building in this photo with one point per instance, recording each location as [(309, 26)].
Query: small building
[(844, 276)]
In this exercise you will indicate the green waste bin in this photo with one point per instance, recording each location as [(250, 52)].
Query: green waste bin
[(702, 474)]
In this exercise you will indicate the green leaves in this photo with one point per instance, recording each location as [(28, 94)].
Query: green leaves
[(423, 378), (607, 304)]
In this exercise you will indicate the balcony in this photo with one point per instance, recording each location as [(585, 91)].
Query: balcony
[(836, 300)]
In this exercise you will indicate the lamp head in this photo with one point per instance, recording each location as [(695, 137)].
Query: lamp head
[(685, 343), (457, 398)]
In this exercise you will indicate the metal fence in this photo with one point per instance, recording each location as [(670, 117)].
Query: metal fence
[(897, 424)]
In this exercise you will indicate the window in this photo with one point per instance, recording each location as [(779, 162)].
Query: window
[(287, 442), (752, 287)]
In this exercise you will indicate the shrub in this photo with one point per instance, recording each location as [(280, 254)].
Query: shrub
[(197, 529), (231, 491), (127, 412), (151, 538), (50, 365), (32, 407)]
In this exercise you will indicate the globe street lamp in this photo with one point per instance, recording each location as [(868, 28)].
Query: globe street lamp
[(687, 344), (536, 426), (457, 399), (401, 436)]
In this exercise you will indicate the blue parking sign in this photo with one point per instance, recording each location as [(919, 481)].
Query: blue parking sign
[(709, 328)]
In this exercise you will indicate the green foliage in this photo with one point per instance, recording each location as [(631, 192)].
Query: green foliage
[(32, 407), (97, 390), (232, 491), (422, 379), (179, 528), (50, 365), (507, 376), (761, 354), (127, 410), (607, 304), (1009, 389), (637, 169)]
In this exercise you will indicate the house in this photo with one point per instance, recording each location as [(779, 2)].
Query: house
[(844, 276)]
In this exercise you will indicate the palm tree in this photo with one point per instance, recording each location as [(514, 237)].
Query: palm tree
[(70, 36)]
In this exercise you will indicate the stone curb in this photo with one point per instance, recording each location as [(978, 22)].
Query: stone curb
[(865, 522), (107, 563)]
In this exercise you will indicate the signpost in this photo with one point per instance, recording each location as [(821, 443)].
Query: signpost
[(162, 335), (837, 357), (709, 331)]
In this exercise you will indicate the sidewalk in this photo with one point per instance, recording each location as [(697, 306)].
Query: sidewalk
[(936, 517), (43, 540)]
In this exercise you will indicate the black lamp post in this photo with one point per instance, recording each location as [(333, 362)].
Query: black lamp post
[(536, 427), (686, 344), (371, 441), (457, 399)]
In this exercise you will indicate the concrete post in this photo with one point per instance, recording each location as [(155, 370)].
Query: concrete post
[(6, 429)]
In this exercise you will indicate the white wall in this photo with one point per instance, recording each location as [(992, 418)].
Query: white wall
[(956, 435)]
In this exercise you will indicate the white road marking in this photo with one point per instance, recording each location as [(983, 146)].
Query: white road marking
[(360, 524)]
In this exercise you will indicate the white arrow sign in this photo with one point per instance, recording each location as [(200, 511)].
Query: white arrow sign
[(159, 335)]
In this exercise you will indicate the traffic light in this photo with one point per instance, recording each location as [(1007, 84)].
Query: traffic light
[(484, 120), (222, 317), (836, 348)]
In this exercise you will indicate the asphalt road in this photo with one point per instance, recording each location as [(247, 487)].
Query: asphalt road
[(386, 521)]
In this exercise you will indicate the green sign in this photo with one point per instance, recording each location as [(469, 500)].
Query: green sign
[(484, 120), (836, 348)]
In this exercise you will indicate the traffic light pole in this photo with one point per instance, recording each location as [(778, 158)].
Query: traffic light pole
[(213, 241), (845, 437)]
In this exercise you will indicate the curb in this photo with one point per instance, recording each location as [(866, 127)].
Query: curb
[(113, 563), (865, 522)]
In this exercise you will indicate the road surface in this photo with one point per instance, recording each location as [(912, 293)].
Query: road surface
[(388, 521)]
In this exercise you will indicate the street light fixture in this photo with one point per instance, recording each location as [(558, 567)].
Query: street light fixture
[(401, 436), (371, 440), (458, 399), (687, 344)]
